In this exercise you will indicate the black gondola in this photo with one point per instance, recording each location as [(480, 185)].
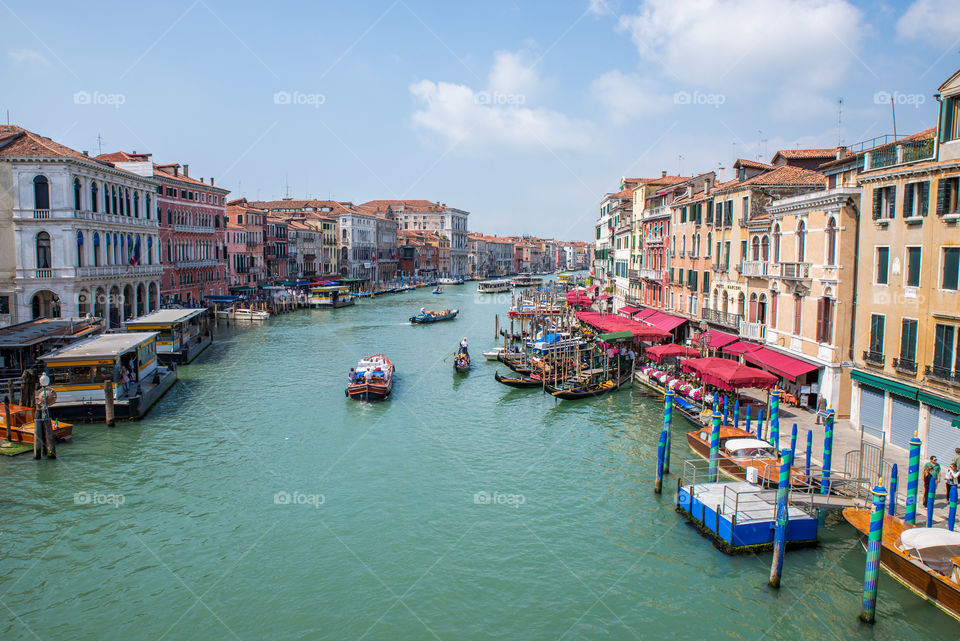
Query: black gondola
[(521, 382), (461, 362), (588, 391), (515, 364)]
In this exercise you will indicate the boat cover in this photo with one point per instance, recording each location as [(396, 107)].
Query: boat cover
[(934, 546)]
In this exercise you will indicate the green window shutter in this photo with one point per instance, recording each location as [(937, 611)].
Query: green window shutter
[(951, 268), (706, 281), (908, 199), (877, 197), (923, 197), (883, 265), (913, 266), (943, 186), (891, 201)]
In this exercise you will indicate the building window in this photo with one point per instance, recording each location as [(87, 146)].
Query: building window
[(825, 309), (884, 202), (79, 249), (76, 194), (882, 275), (776, 243), (831, 242), (801, 241), (951, 268), (916, 198), (96, 249), (93, 197), (755, 249), (43, 250), (136, 204), (908, 343), (947, 189), (913, 267), (797, 314), (943, 350), (4, 304), (876, 334), (41, 193)]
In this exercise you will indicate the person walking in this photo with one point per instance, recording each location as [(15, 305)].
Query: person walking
[(931, 474), (956, 458), (951, 477)]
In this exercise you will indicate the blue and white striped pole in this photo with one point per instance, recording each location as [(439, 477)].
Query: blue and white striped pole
[(667, 423), (780, 532), (874, 544)]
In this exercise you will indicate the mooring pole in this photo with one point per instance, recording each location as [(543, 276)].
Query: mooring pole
[(913, 480), (809, 452), (793, 440), (667, 423), (780, 532), (108, 403), (827, 459), (952, 513), (931, 494), (736, 412), (874, 544), (894, 480), (760, 423), (661, 448), (775, 419), (714, 469), (726, 408), (6, 414), (748, 419)]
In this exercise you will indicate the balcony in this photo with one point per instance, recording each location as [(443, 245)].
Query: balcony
[(721, 318), (633, 274), (794, 271), (874, 358), (190, 264), (104, 271), (905, 366), (692, 285), (754, 268), (193, 229), (76, 214), (944, 374), (651, 274), (899, 154), (753, 331), (720, 267)]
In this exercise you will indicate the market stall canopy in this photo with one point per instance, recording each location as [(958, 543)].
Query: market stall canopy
[(604, 297), (616, 336), (740, 347), (658, 352), (716, 339), (644, 313), (627, 311), (579, 297), (613, 323), (786, 366), (727, 374), (666, 322)]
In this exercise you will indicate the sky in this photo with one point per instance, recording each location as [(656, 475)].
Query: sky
[(522, 113)]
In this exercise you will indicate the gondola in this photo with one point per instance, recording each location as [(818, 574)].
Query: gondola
[(434, 317), (588, 391), (461, 362), (520, 382), (515, 365)]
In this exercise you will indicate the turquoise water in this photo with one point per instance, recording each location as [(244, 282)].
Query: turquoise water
[(460, 509)]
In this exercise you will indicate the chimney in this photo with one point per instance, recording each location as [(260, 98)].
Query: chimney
[(663, 173), (176, 171), (211, 181), (186, 170), (86, 153), (720, 175)]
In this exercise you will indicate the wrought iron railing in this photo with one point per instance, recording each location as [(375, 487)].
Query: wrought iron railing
[(905, 365), (873, 358), (721, 318), (940, 373)]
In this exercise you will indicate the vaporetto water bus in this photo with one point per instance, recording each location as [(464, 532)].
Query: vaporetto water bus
[(494, 286), (331, 296), (181, 334)]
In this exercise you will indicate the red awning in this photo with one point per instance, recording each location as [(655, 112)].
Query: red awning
[(658, 352), (741, 347), (579, 297), (644, 313), (604, 297), (718, 339), (666, 322), (627, 311), (727, 374), (786, 366), (613, 323)]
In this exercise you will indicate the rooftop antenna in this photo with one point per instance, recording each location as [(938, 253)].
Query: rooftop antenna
[(839, 122), (679, 164), (100, 145), (286, 192), (893, 110)]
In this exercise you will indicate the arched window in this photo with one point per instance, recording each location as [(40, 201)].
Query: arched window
[(683, 244), (76, 194), (755, 249), (801, 241), (776, 243), (753, 307), (765, 248), (127, 200), (43, 250), (831, 242), (79, 249), (146, 211), (741, 304), (762, 309), (169, 252), (150, 250), (41, 193), (93, 197), (96, 249), (709, 242), (113, 208), (136, 204), (697, 250)]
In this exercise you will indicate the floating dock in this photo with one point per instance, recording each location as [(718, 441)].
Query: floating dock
[(740, 516)]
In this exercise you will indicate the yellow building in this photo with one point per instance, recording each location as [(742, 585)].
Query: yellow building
[(907, 374)]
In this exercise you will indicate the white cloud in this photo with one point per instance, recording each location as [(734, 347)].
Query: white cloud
[(602, 7), (27, 56), (937, 21), (748, 44), (628, 96), (499, 114)]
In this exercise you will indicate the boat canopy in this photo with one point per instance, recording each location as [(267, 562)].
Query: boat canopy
[(607, 323), (658, 352), (933, 545), (737, 444), (727, 374)]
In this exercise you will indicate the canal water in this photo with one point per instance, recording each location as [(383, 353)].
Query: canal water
[(257, 502)]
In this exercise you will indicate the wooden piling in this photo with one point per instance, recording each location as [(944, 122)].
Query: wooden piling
[(108, 403)]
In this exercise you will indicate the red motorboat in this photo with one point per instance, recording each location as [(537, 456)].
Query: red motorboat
[(372, 380)]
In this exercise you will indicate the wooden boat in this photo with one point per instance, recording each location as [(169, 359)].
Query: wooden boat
[(493, 354), (434, 317), (22, 425), (518, 381), (515, 363), (926, 560), (741, 450), (587, 390), (461, 362), (373, 379), (438, 290)]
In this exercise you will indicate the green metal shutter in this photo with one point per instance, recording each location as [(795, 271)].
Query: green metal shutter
[(905, 420), (877, 196), (908, 199)]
